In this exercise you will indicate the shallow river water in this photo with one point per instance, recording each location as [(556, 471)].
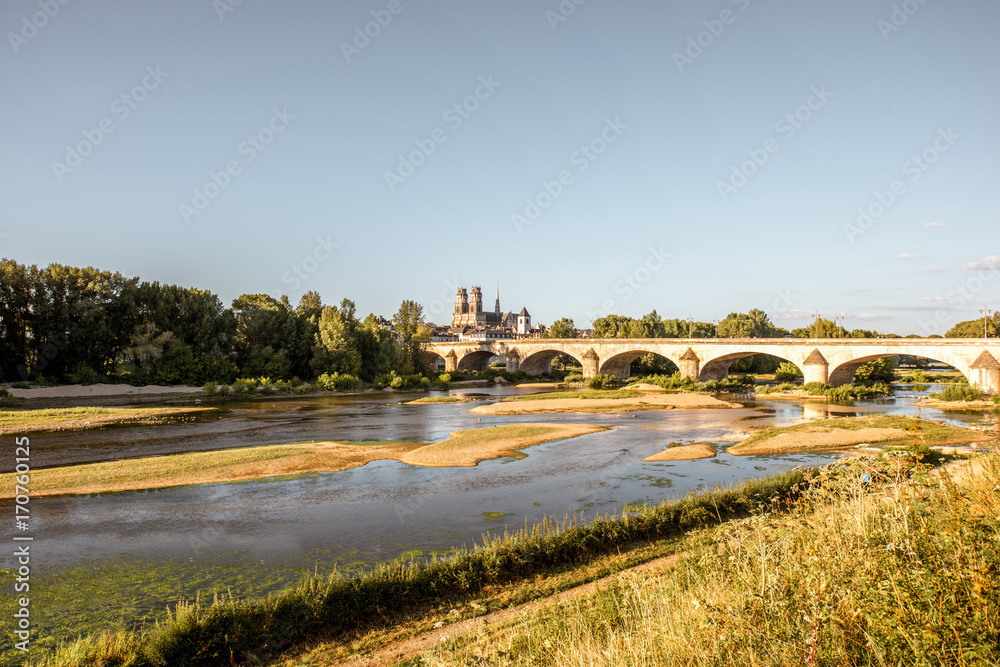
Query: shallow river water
[(386, 509)]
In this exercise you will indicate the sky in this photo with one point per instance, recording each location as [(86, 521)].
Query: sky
[(584, 156)]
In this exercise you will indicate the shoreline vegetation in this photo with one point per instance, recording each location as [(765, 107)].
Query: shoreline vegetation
[(81, 418), (792, 557), (463, 449), (843, 433)]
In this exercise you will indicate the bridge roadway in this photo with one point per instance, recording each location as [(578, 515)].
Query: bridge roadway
[(831, 361)]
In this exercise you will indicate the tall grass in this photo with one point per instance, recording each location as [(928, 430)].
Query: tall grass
[(959, 392), (858, 574), (237, 631)]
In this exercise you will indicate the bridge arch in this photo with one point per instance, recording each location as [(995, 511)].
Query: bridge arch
[(434, 360), (718, 367), (844, 373), (620, 365), (540, 361), (477, 360)]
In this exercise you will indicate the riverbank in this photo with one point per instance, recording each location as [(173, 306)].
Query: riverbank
[(464, 449), (862, 571), (692, 452), (89, 390), (537, 404), (76, 419), (849, 432)]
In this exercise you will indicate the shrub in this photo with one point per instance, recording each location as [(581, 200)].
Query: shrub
[(959, 392), (243, 386), (84, 374), (3, 392), (338, 382), (600, 381), (210, 387), (573, 377), (787, 371), (444, 378)]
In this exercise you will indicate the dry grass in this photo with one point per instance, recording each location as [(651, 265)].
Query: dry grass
[(625, 404), (859, 574), (845, 432), (66, 419), (464, 448), (467, 448)]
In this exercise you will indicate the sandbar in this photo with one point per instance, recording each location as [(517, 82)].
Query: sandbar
[(651, 402), (464, 448), (698, 450), (77, 419), (848, 432)]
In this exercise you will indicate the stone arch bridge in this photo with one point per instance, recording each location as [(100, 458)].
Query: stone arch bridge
[(831, 361)]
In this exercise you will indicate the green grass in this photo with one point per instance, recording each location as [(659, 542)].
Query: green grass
[(958, 392), (247, 630), (587, 394), (878, 564), (437, 399)]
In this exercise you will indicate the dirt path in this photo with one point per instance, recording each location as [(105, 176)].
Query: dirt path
[(407, 648)]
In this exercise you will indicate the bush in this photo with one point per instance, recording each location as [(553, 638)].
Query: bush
[(3, 392), (244, 386), (210, 387), (959, 392), (573, 377), (444, 378), (84, 374), (338, 382), (787, 371), (601, 381)]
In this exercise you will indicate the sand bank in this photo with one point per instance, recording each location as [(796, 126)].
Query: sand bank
[(651, 402), (464, 448), (698, 450)]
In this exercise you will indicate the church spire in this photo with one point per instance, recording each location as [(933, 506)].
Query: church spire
[(498, 299)]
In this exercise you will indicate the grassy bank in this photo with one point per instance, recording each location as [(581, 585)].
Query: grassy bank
[(844, 432), (237, 631), (64, 419), (858, 574)]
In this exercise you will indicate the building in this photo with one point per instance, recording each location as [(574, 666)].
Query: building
[(469, 314)]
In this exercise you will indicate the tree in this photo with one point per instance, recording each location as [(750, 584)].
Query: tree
[(562, 328), (335, 349), (754, 324), (974, 328), (411, 337), (820, 328)]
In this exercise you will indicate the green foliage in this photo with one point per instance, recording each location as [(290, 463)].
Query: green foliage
[(959, 392), (211, 388), (562, 328), (755, 324), (787, 371), (848, 391), (573, 377), (601, 381), (84, 374), (444, 379), (338, 382), (877, 370), (3, 392), (995, 398), (244, 386), (974, 328)]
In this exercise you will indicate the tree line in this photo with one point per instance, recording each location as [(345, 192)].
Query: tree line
[(69, 324)]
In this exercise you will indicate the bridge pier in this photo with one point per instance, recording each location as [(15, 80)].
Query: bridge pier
[(690, 364), (985, 373), (451, 362), (513, 359), (815, 368), (591, 363)]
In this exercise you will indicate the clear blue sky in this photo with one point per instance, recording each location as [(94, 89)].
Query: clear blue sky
[(654, 199)]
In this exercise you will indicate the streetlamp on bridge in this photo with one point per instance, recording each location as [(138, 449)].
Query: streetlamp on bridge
[(986, 318)]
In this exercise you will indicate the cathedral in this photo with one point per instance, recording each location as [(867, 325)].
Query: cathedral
[(469, 313)]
